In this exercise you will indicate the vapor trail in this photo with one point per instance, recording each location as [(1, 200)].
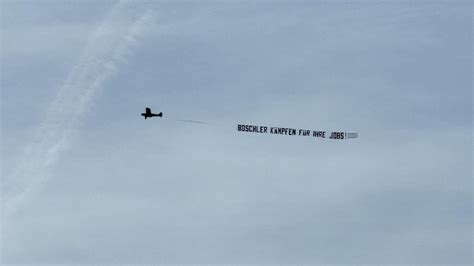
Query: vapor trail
[(107, 47)]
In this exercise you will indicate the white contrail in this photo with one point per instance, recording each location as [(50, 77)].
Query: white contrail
[(110, 45)]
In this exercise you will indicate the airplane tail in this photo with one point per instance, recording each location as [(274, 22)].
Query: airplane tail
[(160, 114)]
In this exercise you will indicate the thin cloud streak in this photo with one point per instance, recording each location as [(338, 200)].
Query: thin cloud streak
[(107, 48)]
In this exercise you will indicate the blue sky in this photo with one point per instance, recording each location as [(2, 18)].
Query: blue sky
[(86, 180)]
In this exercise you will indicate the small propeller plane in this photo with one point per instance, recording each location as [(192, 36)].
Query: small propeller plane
[(148, 113)]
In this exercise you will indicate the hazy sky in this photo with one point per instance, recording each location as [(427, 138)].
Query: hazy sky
[(85, 179)]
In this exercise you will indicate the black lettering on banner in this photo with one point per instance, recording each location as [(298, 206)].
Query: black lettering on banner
[(293, 132), (318, 134), (337, 135)]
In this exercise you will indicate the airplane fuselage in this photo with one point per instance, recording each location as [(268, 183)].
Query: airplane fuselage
[(148, 113)]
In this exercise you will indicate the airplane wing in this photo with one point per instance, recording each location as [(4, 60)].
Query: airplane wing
[(148, 111)]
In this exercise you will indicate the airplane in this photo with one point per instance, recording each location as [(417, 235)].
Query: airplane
[(148, 113)]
